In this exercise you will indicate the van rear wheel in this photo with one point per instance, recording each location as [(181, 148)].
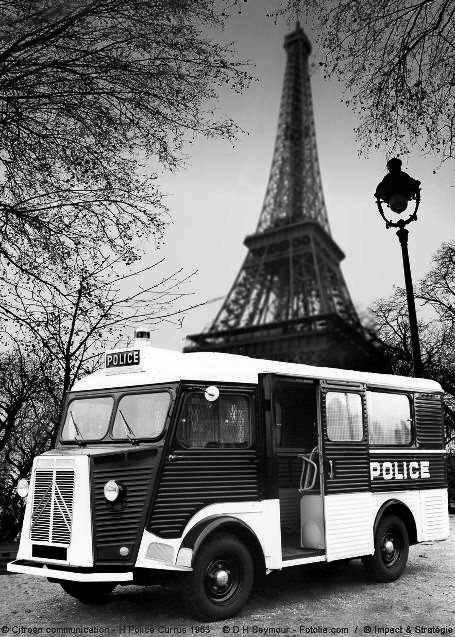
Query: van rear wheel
[(391, 548), (89, 592), (222, 578)]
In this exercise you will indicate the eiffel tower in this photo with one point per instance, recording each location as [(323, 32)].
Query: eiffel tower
[(289, 301)]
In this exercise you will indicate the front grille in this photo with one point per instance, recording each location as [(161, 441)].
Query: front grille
[(52, 506)]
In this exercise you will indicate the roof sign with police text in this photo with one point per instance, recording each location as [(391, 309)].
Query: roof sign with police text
[(123, 359)]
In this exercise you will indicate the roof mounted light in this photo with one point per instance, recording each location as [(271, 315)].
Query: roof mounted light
[(142, 337), (142, 334)]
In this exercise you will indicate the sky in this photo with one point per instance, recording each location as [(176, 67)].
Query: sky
[(215, 201)]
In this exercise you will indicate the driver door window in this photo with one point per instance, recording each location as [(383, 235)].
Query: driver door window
[(223, 423)]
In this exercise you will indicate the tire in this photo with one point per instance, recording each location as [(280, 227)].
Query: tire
[(391, 548), (222, 578), (89, 592)]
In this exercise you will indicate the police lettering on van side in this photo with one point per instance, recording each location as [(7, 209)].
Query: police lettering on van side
[(401, 470)]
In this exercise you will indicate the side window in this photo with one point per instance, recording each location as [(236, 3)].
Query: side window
[(225, 422), (344, 416), (389, 418)]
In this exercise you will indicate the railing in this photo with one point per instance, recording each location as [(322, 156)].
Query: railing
[(309, 470), (310, 324)]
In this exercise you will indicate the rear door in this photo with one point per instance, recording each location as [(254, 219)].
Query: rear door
[(347, 498)]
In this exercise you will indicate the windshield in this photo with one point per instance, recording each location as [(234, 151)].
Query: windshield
[(141, 415), (137, 416), (87, 418)]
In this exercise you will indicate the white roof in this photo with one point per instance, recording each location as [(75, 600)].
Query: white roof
[(162, 366)]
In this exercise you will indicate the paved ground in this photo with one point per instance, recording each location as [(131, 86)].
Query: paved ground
[(318, 599)]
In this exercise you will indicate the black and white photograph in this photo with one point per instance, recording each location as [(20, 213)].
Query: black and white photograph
[(227, 318)]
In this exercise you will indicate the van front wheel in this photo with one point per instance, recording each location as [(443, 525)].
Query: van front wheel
[(391, 548), (88, 592), (222, 578)]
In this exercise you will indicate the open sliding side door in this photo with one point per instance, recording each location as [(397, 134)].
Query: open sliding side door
[(287, 432), (293, 470)]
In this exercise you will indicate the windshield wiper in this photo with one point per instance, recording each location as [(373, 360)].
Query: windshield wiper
[(80, 442), (130, 433)]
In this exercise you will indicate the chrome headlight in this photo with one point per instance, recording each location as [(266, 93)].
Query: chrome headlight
[(113, 491), (22, 488)]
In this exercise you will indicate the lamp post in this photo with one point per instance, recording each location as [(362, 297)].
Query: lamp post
[(397, 189)]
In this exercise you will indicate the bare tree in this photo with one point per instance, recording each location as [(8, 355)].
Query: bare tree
[(57, 332), (396, 60), (435, 297), (75, 317), (27, 418), (97, 96), (436, 340)]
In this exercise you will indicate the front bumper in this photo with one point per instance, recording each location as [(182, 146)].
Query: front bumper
[(83, 575)]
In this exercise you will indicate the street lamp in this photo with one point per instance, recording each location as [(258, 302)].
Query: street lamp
[(397, 189)]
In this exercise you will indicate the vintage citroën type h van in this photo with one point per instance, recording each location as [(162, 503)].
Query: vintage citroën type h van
[(207, 469)]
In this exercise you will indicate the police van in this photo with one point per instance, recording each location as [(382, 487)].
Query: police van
[(207, 469)]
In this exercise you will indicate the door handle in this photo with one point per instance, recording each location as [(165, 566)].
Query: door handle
[(172, 457), (331, 470)]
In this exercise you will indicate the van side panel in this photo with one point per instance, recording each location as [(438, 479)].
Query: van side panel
[(348, 525), (434, 515), (197, 478), (395, 471)]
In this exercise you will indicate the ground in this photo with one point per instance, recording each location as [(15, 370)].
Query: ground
[(319, 599)]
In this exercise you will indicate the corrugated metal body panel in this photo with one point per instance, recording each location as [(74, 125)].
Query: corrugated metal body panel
[(429, 421), (435, 517), (400, 465), (350, 467), (349, 525), (121, 524), (197, 478)]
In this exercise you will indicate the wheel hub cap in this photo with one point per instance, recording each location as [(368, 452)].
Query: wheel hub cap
[(223, 580), (389, 547), (221, 577)]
